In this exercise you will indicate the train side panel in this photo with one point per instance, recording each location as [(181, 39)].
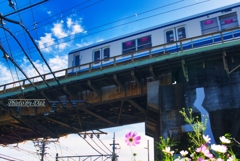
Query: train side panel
[(169, 34)]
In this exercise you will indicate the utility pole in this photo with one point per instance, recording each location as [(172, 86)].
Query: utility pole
[(41, 144), (147, 148), (114, 156)]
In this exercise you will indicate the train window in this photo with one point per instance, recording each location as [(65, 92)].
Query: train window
[(144, 42), (228, 21), (106, 53), (129, 46), (209, 25), (170, 36), (181, 32), (96, 55), (77, 60)]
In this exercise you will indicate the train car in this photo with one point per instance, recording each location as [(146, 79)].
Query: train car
[(175, 35)]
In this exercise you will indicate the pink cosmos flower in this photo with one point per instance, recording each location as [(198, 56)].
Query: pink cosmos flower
[(201, 159), (205, 151), (132, 139)]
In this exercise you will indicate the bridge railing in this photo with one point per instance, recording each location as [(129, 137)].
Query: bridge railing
[(169, 48)]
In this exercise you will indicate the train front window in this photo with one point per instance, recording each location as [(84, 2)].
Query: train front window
[(170, 36), (209, 26), (228, 21), (106, 53), (181, 33), (144, 42), (129, 46), (96, 55)]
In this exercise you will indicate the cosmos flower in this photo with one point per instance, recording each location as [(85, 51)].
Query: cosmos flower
[(132, 139), (201, 159), (232, 158), (219, 148), (183, 153), (168, 150), (219, 159), (207, 138), (205, 151), (225, 140)]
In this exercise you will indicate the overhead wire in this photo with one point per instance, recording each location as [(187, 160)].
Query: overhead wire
[(97, 144), (10, 157), (43, 58), (70, 39), (60, 14), (67, 151), (112, 21), (122, 24), (101, 142)]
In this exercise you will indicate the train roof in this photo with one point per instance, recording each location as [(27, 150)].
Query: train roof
[(157, 27)]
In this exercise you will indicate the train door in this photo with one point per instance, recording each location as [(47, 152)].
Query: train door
[(180, 32), (96, 59), (170, 35), (96, 55), (175, 34)]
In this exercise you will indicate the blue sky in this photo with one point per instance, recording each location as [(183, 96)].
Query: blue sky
[(62, 26)]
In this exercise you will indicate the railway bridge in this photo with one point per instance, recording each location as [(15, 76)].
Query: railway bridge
[(150, 89)]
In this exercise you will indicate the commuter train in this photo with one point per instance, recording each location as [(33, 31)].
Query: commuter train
[(176, 36)]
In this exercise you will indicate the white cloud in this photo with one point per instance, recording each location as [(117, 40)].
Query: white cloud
[(61, 31), (62, 46), (49, 12), (6, 76), (84, 44), (58, 30), (100, 40), (58, 62), (77, 29), (45, 42), (69, 22)]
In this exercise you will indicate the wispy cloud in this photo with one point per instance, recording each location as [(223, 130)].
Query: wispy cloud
[(6, 76), (46, 41), (49, 12), (58, 30), (54, 40)]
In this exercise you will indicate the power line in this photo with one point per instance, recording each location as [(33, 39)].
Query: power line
[(121, 24), (14, 159), (70, 39), (101, 141), (60, 14), (112, 21)]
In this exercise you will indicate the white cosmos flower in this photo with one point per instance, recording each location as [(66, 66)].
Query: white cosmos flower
[(219, 159), (207, 138), (225, 140), (232, 158), (219, 148), (184, 152), (168, 150)]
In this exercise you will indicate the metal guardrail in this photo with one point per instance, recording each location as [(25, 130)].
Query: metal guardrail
[(174, 47)]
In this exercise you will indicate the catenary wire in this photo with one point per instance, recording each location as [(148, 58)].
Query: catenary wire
[(120, 25), (102, 142), (118, 19), (97, 144), (108, 22), (123, 24), (61, 13)]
